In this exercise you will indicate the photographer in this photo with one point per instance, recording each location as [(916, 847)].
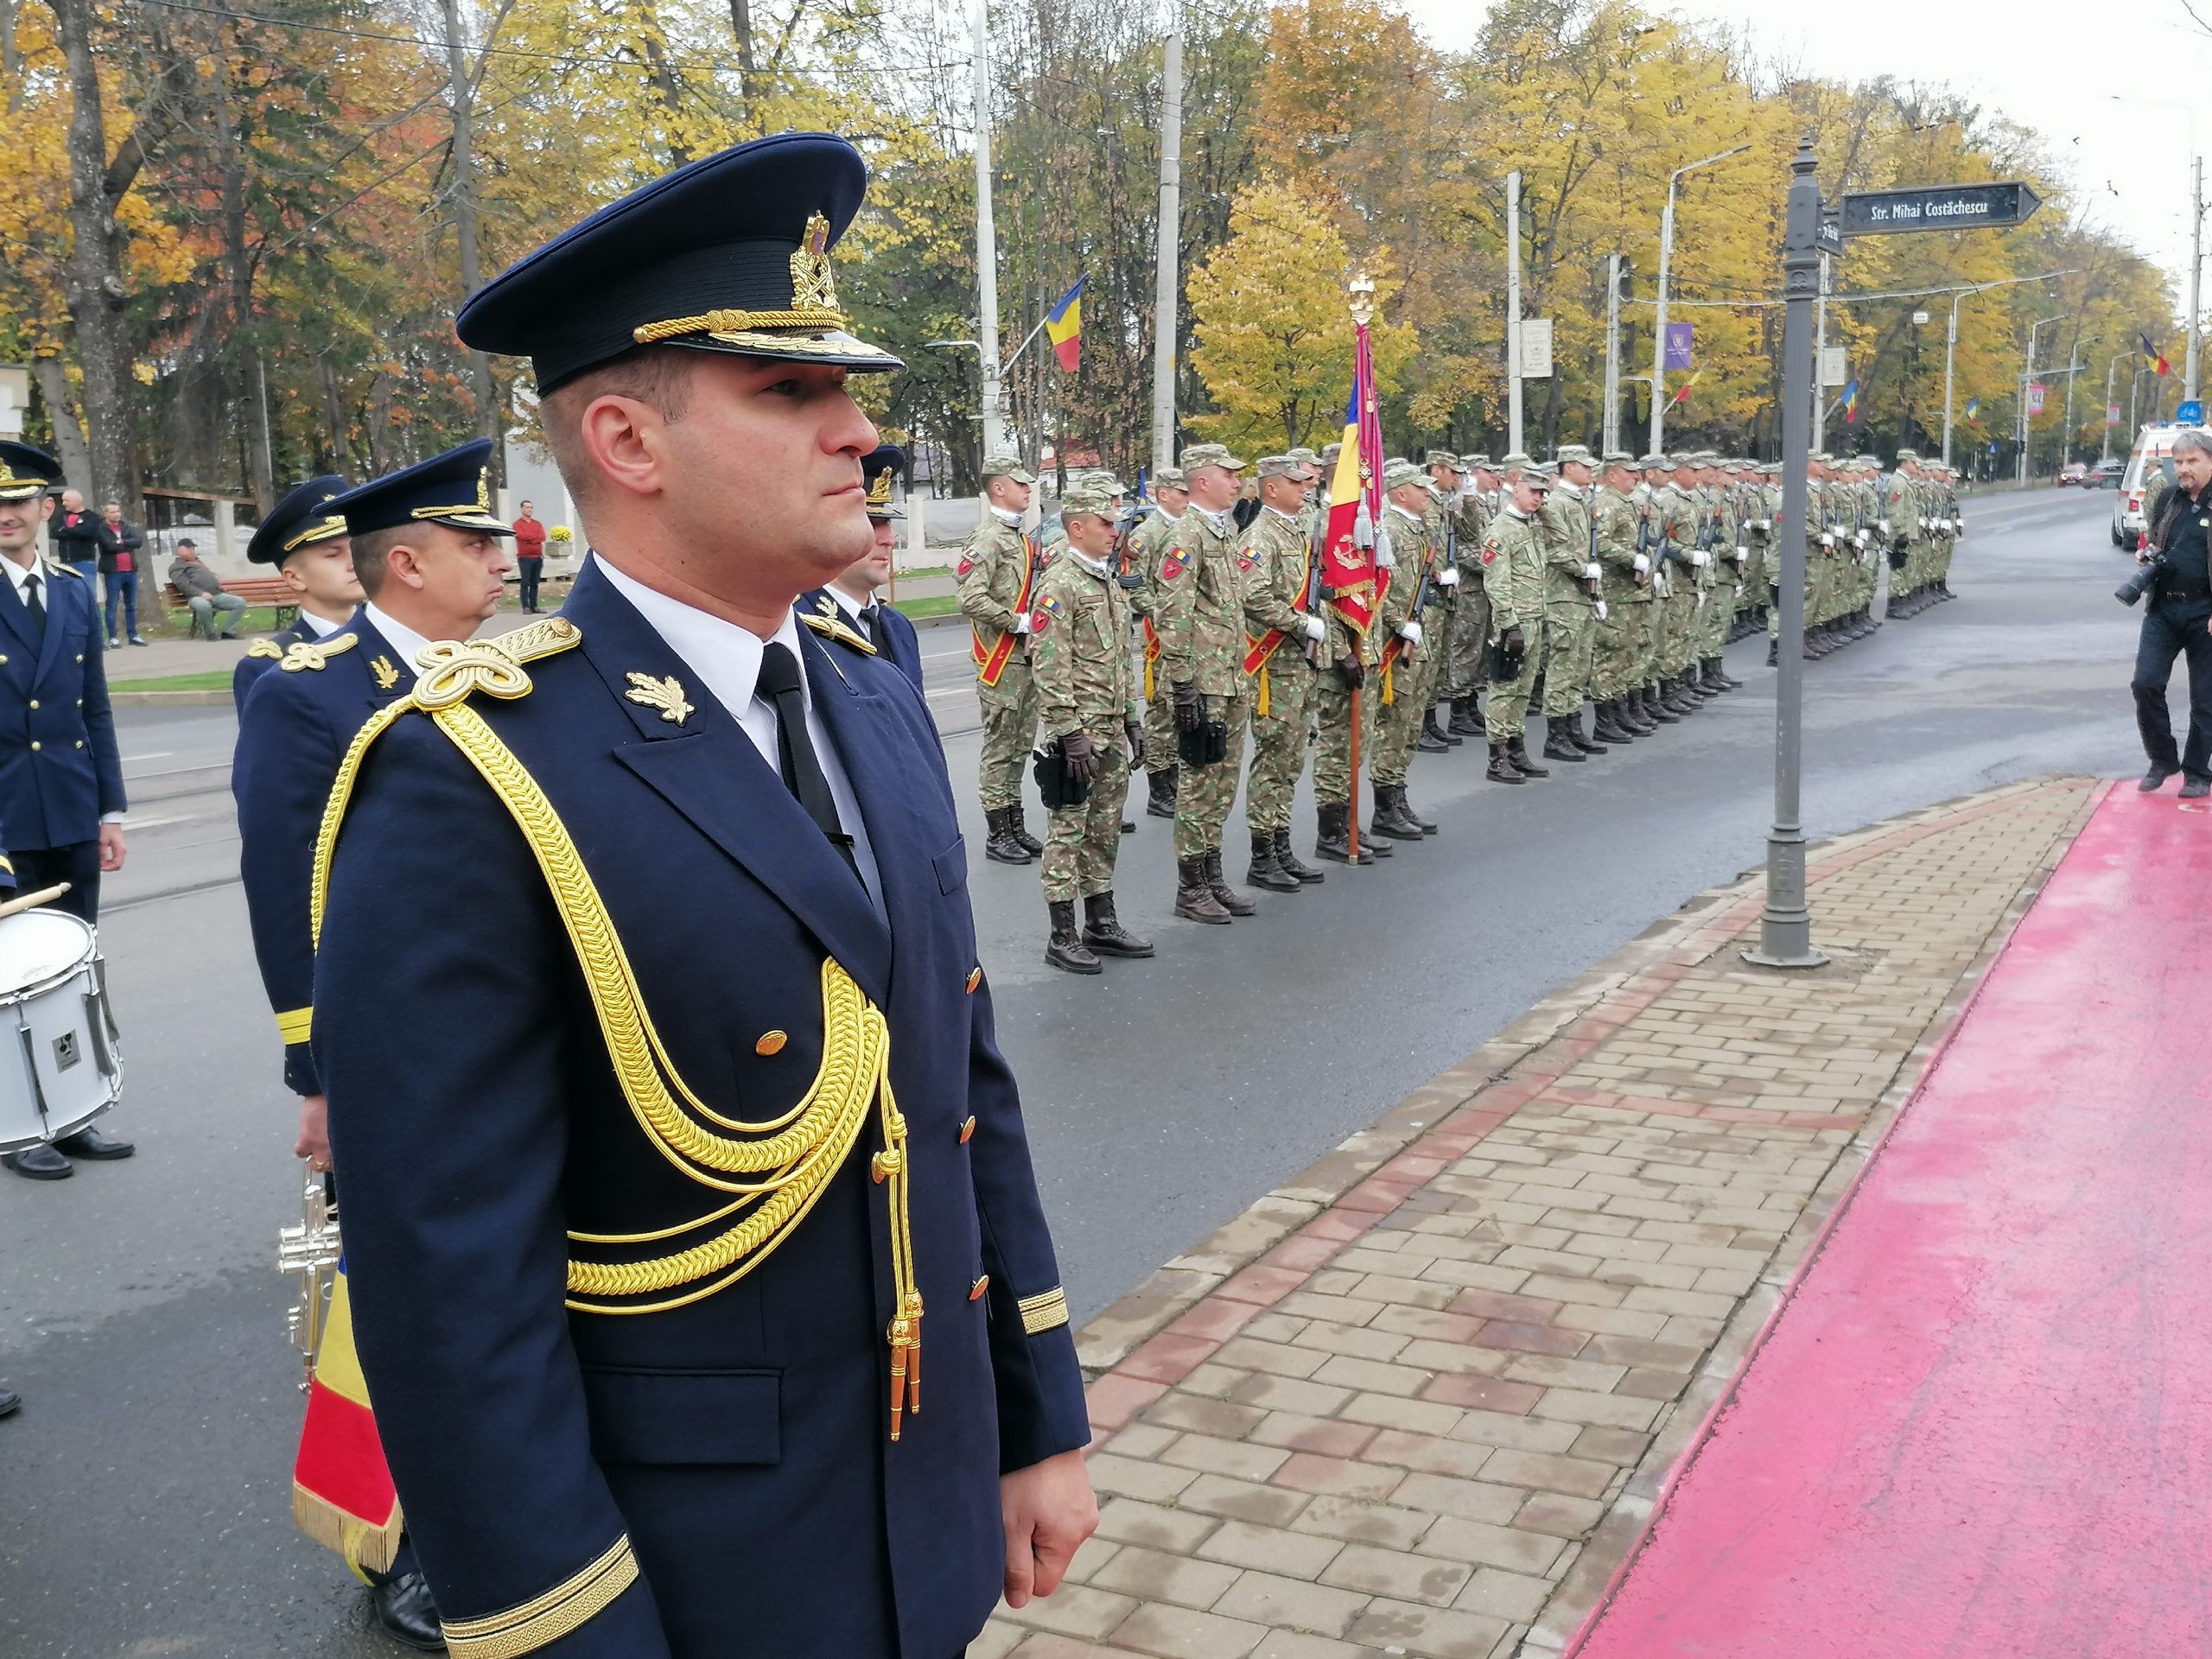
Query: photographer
[(2178, 619)]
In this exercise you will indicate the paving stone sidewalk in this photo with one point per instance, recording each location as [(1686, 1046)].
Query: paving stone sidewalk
[(1419, 1401)]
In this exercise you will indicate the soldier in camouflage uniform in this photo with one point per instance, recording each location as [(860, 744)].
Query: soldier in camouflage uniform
[(998, 572), (1087, 700), (1825, 531), (1513, 574), (1725, 543), (1282, 640), (1349, 658), (1464, 675), (1571, 581), (1678, 526), (1200, 616), (1949, 527), (1759, 527), (1140, 555), (1444, 520), (1625, 585), (1403, 627)]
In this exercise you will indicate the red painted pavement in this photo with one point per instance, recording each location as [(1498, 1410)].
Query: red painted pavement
[(1983, 1425)]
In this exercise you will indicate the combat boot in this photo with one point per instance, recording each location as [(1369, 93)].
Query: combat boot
[(1502, 769), (1224, 895), (1331, 839), (1694, 693), (1635, 718), (1289, 860), (1194, 893), (1103, 932), (1580, 739), (1774, 652), (1160, 799), (1655, 705), (1066, 949), (1516, 748), (1406, 809), (1672, 700), (1266, 871), (1716, 677), (1443, 734), (1464, 720), (1607, 727), (1019, 831), (1557, 746), (1388, 819), (999, 843), (1897, 612)]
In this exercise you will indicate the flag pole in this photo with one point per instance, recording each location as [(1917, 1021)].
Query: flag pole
[(1362, 310)]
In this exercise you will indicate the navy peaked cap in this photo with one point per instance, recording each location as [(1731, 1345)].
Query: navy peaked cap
[(26, 472), (880, 469), (728, 254), (303, 517), (454, 488)]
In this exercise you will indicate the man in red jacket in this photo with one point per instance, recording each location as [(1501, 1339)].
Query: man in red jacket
[(530, 554)]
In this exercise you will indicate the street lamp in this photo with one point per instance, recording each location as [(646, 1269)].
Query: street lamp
[(2104, 452), (1659, 323), (1951, 339), (2027, 373)]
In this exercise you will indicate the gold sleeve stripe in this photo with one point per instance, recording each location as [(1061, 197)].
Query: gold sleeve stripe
[(1044, 1313), (548, 1618), (5, 865), (294, 1025)]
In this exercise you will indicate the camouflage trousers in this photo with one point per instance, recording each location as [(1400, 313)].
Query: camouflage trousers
[(1623, 657), (1205, 794), (1408, 692), (1283, 693), (1570, 645), (1712, 630), (1333, 776), (1462, 673), (1009, 732), (1670, 645), (1758, 586), (1081, 842), (1508, 713)]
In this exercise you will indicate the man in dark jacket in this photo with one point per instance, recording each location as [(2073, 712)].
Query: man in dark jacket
[(119, 571), (2177, 621), (78, 537)]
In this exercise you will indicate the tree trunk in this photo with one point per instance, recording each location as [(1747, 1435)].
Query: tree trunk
[(68, 431), (260, 450), (749, 57), (92, 281), (464, 222), (11, 61)]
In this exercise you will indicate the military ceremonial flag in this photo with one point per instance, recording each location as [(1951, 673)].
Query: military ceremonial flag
[(1851, 401), (1683, 396), (342, 1492), (1064, 327), (1350, 582), (1974, 412), (2155, 355)]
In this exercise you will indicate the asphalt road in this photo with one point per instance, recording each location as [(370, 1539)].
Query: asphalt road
[(144, 1503)]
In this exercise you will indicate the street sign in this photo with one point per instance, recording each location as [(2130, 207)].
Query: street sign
[(1829, 238), (1835, 370), (2191, 413), (1938, 207), (2112, 414), (2035, 396), (1920, 319), (1681, 340), (1535, 349)]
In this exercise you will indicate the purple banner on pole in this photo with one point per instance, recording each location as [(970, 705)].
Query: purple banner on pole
[(1678, 345)]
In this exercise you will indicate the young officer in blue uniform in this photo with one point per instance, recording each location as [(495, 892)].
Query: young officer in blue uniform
[(60, 775), (307, 543), (678, 1150), (850, 608)]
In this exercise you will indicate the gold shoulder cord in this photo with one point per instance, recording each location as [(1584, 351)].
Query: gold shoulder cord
[(791, 1161)]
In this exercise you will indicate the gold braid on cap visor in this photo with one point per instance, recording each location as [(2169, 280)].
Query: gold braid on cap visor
[(734, 323)]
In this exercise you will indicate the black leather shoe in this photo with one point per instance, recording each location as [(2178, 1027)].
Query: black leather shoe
[(89, 1142), (10, 1403), (2195, 789), (39, 1164), (2155, 779), (406, 1613)]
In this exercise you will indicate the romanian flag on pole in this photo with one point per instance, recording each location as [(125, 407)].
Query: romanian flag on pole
[(2155, 355), (1683, 396), (1350, 584), (1064, 327), (1974, 412), (342, 1495), (1851, 401)]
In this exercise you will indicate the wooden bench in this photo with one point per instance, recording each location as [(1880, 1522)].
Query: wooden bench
[(255, 590)]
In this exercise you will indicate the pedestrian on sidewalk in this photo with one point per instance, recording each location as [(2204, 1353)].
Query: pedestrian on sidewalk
[(203, 593), (529, 556), (78, 537), (119, 563), (2178, 621)]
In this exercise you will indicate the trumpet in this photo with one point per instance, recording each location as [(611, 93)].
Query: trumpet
[(311, 1250)]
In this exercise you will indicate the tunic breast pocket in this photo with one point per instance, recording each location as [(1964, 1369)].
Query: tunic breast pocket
[(951, 867), (670, 1416)]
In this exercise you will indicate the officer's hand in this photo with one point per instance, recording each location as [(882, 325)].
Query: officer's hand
[(1352, 672), (1135, 734), (1081, 757), (111, 848), (314, 1140), (1189, 711), (1049, 1510)]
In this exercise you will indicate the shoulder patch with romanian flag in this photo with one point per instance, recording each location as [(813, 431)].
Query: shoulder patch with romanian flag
[(1489, 550), (1172, 565)]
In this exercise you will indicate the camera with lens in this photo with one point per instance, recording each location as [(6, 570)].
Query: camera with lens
[(2146, 578)]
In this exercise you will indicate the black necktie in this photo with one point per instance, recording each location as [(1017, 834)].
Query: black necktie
[(780, 684), (33, 604), (868, 627)]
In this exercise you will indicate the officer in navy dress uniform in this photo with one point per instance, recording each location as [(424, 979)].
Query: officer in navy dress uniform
[(430, 560), (848, 608), (10, 1401), (677, 1146), (60, 774), (307, 543)]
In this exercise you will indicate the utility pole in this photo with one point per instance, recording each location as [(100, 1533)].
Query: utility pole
[(2195, 269), (987, 242), (1512, 312), (461, 90), (2105, 452), (1165, 327), (2027, 377), (1786, 925), (1611, 439), (1659, 321), (1820, 360)]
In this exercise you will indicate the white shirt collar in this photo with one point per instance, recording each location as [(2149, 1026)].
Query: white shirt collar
[(1172, 518), (20, 574), (1514, 511), (724, 655), (853, 608), (1096, 567), (1573, 490), (402, 639), (317, 626), (1001, 514), (1410, 517), (1287, 518), (1220, 521)]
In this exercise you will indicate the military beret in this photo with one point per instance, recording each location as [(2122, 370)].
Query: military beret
[(1210, 455), (1087, 497), (880, 469), (1282, 467), (1007, 467), (301, 520), (26, 473), (1168, 478), (454, 488), (729, 254)]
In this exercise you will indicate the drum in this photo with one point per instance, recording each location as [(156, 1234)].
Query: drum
[(68, 1063)]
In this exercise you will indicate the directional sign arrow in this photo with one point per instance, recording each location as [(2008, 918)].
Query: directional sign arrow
[(1938, 207)]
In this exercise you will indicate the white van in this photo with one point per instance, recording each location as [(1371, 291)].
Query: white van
[(2154, 445)]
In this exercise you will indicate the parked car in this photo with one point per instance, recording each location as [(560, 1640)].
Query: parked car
[(2072, 473), (2153, 452), (2105, 475)]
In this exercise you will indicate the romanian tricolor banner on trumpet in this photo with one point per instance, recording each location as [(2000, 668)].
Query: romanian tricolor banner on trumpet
[(342, 1493)]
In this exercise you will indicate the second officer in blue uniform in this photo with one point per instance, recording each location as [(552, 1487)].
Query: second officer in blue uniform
[(850, 609), (308, 544)]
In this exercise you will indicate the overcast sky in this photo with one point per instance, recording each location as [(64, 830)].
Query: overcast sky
[(2061, 71)]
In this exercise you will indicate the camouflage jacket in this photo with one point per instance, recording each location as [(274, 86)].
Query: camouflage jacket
[(1079, 649), (997, 572), (1274, 563), (1616, 519), (1563, 525), (1512, 572), (1200, 610)]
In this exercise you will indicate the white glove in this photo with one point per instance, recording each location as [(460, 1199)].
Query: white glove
[(1699, 557), (1601, 610), (1448, 577), (1884, 525), (1958, 526), (1827, 538), (1860, 536), (1410, 633), (1643, 565), (1743, 552), (1467, 489), (1593, 570), (1021, 623), (1316, 629)]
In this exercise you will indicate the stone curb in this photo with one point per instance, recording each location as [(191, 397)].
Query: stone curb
[(122, 696)]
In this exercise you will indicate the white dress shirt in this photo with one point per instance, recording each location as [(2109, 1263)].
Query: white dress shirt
[(727, 659), (317, 626), (396, 634)]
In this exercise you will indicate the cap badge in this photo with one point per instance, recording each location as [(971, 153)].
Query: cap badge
[(814, 287)]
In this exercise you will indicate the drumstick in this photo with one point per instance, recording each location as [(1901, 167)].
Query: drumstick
[(33, 900)]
